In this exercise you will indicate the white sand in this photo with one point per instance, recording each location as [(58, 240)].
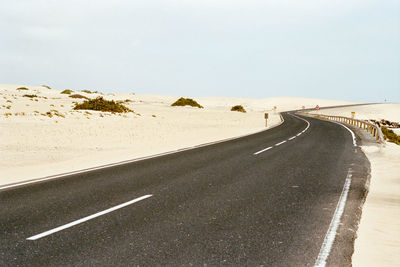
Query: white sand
[(389, 112), (378, 241), (34, 145)]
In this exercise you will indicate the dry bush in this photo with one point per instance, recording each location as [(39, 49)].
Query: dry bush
[(66, 91), (239, 108), (100, 104), (78, 96), (186, 102), (30, 96), (390, 135)]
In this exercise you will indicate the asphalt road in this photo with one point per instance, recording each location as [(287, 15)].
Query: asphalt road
[(222, 204)]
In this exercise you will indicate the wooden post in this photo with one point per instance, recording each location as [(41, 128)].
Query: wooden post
[(266, 119)]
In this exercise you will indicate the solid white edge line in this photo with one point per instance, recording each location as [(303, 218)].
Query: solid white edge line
[(331, 233), (280, 143), (265, 149), (51, 177), (351, 131), (308, 123), (293, 137), (60, 228)]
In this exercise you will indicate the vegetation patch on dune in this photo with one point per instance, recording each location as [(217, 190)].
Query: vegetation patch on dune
[(186, 102), (90, 92), (30, 96), (67, 92), (100, 104), (46, 86), (22, 88), (239, 108), (78, 96), (390, 136)]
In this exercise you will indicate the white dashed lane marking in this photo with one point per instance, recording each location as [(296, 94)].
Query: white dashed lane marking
[(280, 143), (291, 138), (268, 148), (68, 225)]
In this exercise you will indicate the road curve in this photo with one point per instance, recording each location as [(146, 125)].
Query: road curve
[(265, 199)]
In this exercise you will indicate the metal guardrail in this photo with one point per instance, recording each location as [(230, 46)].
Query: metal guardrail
[(373, 129)]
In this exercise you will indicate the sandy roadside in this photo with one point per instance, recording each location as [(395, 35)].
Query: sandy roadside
[(43, 135), (378, 235), (35, 144)]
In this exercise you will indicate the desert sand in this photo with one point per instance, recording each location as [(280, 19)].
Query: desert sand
[(389, 111), (44, 136), (378, 241)]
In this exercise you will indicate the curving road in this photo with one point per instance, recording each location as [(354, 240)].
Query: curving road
[(265, 199)]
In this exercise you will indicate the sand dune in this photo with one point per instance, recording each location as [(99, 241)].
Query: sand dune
[(389, 111)]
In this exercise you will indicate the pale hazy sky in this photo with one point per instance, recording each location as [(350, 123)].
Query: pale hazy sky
[(337, 49)]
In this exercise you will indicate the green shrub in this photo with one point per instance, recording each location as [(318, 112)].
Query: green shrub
[(30, 96), (67, 91), (100, 104), (78, 96), (22, 88), (239, 108), (46, 86), (186, 102), (390, 135), (86, 91)]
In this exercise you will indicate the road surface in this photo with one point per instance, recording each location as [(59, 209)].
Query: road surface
[(265, 199)]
